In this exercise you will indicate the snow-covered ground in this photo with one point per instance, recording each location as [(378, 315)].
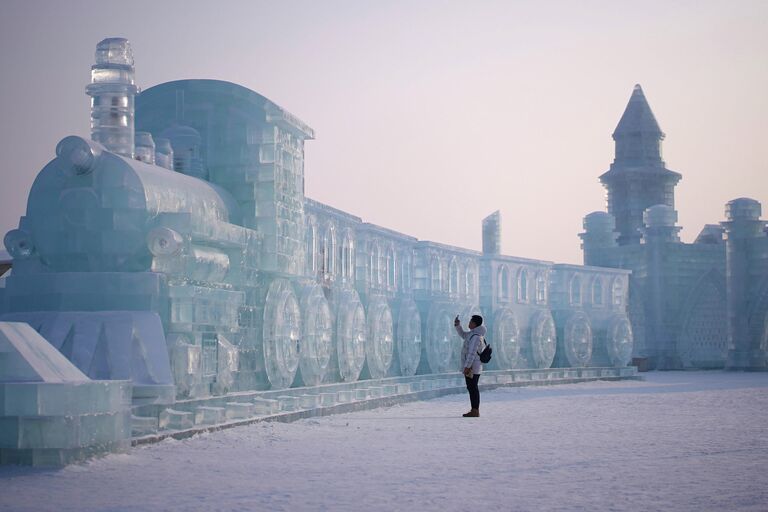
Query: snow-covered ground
[(676, 441)]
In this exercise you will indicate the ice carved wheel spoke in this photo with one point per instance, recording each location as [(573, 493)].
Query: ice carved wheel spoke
[(352, 333), (315, 346), (578, 340), (282, 331), (506, 339), (380, 343), (543, 340), (620, 341), (409, 338)]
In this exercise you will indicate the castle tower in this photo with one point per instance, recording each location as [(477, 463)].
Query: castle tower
[(637, 178), (599, 235), (746, 257)]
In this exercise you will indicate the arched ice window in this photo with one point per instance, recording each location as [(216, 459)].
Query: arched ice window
[(375, 262), (311, 248), (541, 288), (470, 279), (522, 285), (503, 283), (436, 271), (405, 272), (617, 292), (347, 255), (575, 290), (329, 250), (453, 272), (597, 291), (391, 264)]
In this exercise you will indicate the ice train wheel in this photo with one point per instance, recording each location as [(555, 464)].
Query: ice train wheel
[(408, 338), (543, 340), (443, 346), (620, 341), (577, 340), (380, 343), (506, 339), (282, 331), (317, 335), (351, 333)]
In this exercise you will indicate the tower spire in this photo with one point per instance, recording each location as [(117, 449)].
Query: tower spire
[(638, 178), (638, 135)]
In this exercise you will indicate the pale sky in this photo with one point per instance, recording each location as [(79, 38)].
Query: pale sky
[(429, 115)]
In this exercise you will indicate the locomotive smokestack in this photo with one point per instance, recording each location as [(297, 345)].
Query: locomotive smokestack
[(112, 93)]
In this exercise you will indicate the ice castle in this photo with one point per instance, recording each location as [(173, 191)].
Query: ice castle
[(176, 264), (697, 305)]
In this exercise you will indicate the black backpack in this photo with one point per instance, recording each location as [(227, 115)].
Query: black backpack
[(485, 355)]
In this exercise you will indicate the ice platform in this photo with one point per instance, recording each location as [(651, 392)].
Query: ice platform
[(292, 404), (51, 414)]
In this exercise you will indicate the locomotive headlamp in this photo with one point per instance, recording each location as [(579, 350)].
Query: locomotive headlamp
[(77, 155)]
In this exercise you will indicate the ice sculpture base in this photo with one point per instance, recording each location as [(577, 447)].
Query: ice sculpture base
[(287, 405), (51, 414)]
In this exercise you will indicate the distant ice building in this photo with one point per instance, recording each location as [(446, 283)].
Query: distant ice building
[(183, 255), (698, 305)]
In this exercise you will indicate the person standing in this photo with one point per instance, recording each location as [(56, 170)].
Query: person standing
[(471, 365)]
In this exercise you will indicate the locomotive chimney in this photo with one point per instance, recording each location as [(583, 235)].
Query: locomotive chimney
[(112, 93)]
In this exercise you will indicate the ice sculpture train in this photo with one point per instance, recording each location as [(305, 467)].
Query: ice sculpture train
[(182, 254)]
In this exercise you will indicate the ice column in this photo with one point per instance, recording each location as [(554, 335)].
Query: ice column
[(743, 229), (112, 93)]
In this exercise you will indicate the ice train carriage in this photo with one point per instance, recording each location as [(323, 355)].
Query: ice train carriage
[(589, 307), (517, 291), (219, 275), (444, 285)]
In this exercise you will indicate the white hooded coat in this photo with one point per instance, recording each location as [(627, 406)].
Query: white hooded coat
[(474, 342)]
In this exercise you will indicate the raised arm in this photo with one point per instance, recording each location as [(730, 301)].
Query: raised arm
[(461, 332)]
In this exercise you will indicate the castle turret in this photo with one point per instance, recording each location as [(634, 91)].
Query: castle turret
[(599, 234), (659, 230), (637, 178), (660, 224), (743, 229), (112, 93)]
